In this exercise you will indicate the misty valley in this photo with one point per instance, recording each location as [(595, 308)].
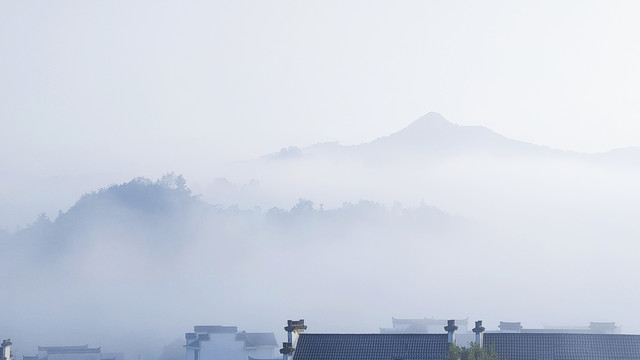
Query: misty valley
[(436, 221), (319, 180)]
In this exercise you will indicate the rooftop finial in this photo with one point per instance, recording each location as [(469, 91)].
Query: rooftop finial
[(450, 329), (5, 350), (293, 325), (478, 330)]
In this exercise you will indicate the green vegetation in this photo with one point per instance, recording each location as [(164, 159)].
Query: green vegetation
[(473, 352)]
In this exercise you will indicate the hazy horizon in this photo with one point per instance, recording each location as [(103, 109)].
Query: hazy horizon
[(70, 186), (341, 162)]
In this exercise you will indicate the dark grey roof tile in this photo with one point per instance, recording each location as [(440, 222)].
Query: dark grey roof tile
[(371, 347), (562, 346)]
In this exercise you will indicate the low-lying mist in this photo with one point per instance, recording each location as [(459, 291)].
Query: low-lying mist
[(344, 237), (133, 266)]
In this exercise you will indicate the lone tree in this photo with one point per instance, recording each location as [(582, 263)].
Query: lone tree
[(473, 352)]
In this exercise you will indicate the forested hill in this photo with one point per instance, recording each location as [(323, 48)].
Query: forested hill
[(164, 213), (140, 210), (144, 249)]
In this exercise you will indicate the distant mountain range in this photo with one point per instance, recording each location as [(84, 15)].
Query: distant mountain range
[(336, 232), (432, 136), (456, 168), (429, 137)]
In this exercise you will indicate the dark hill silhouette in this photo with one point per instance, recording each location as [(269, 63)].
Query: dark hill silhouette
[(163, 215), (153, 252), (153, 213), (140, 196)]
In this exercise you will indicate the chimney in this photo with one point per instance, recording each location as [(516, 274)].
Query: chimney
[(6, 350), (287, 349), (451, 328), (479, 329), (293, 328)]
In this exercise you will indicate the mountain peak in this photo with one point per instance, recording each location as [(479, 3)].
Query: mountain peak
[(431, 125), (433, 134), (431, 120)]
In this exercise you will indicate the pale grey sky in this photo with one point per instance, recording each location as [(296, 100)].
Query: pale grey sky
[(180, 85), (98, 92)]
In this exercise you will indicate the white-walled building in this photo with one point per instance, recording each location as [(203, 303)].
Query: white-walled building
[(82, 352), (423, 326), (226, 343)]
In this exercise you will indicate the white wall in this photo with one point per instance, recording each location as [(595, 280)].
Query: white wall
[(226, 347)]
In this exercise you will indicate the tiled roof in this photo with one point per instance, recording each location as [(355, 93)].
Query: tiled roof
[(83, 349), (74, 351), (371, 347), (74, 347), (257, 339), (215, 329), (533, 346)]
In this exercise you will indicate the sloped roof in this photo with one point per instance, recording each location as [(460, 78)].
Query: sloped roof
[(257, 339), (82, 349), (371, 347), (194, 344), (562, 346), (215, 329), (73, 347)]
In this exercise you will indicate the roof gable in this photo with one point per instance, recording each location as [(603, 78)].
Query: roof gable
[(215, 329)]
